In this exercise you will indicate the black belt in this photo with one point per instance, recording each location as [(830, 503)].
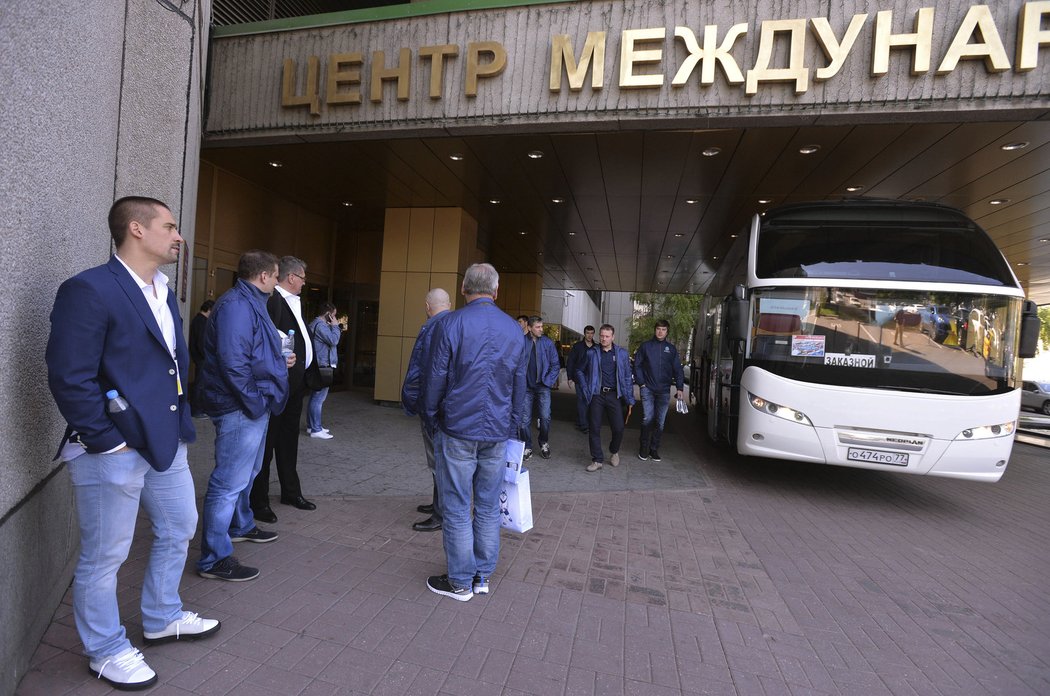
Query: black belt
[(606, 390)]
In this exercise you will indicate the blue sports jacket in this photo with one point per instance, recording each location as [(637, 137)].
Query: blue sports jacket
[(243, 366), (589, 373), (547, 362), (475, 384), (656, 365), (412, 389)]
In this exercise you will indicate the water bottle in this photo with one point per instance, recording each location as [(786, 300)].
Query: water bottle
[(116, 402), (288, 343)]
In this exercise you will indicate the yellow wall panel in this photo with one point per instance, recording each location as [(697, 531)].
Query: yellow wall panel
[(420, 239), (389, 370), (391, 303), (413, 311), (395, 239)]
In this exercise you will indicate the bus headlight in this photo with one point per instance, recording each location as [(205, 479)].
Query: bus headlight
[(985, 432), (790, 414)]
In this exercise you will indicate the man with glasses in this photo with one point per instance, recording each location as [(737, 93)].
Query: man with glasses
[(282, 437)]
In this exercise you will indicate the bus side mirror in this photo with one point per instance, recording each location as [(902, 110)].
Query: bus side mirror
[(1030, 326), (738, 320)]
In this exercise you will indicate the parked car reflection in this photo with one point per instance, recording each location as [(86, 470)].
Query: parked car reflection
[(1036, 396)]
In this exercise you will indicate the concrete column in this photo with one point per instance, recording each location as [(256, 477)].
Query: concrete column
[(423, 248)]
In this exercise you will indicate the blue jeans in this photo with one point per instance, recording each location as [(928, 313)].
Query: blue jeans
[(313, 410), (654, 411), (108, 489), (541, 396), (469, 474), (239, 445), (604, 406)]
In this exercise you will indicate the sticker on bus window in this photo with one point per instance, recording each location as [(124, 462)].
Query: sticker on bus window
[(807, 346), (854, 360)]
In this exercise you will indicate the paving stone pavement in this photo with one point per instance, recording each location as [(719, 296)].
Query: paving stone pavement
[(705, 573)]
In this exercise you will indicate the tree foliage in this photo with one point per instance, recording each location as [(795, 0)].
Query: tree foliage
[(1044, 328), (679, 310)]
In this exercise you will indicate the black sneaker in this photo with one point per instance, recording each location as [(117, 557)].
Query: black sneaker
[(643, 453), (545, 451), (257, 535), (440, 584), (654, 455), (229, 569)]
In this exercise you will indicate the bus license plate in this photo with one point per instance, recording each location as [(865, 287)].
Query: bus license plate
[(855, 454)]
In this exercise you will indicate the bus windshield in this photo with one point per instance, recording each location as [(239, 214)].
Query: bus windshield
[(944, 343), (880, 251)]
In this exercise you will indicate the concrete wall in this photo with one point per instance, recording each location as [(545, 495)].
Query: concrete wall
[(95, 103), (617, 311)]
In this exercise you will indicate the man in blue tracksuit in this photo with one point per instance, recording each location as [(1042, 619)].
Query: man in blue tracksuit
[(543, 370), (605, 377), (576, 355), (656, 366)]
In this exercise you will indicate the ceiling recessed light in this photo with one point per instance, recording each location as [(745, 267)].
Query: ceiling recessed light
[(523, 233), (711, 151), (670, 256), (347, 204), (557, 200), (715, 258), (276, 164), (583, 253), (494, 201), (679, 234), (1044, 239), (536, 154), (1009, 147), (854, 189), (732, 236), (590, 268), (763, 201), (998, 201), (808, 149), (456, 157), (1022, 263), (572, 234), (691, 201)]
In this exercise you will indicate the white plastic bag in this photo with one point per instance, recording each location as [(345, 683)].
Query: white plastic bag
[(515, 504), (681, 406), (514, 456)]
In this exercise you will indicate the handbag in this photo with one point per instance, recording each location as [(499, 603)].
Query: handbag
[(515, 504), (319, 377)]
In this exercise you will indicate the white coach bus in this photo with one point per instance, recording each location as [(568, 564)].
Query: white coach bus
[(877, 334)]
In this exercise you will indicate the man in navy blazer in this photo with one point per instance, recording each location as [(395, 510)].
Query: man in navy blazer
[(117, 327)]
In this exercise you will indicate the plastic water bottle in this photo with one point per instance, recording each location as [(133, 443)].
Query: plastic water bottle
[(288, 343), (116, 402)]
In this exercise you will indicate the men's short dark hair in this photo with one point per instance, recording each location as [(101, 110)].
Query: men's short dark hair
[(588, 328), (131, 208), (524, 318), (255, 262), (290, 264), (607, 326), (663, 324), (533, 320), (480, 279), (207, 305)]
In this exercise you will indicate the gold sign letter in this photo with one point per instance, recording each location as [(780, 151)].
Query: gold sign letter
[(476, 69), (629, 56), (561, 53), (436, 56), (337, 76), (921, 39), (1031, 34), (400, 73), (309, 97)]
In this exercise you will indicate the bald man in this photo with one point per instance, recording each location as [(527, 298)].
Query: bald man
[(437, 305)]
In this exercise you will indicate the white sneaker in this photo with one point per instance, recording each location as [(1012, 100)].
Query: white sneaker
[(615, 459), (126, 671), (594, 466), (189, 627), (322, 435)]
